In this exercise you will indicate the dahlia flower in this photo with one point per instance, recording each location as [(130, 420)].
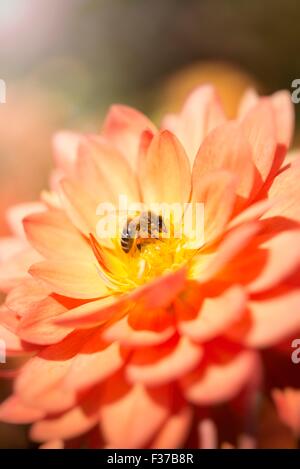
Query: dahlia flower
[(136, 349)]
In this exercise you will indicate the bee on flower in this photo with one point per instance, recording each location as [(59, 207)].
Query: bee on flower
[(132, 340)]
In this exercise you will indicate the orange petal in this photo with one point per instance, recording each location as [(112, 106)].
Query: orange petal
[(227, 148), (165, 171), (201, 113), (159, 292), (222, 378), (125, 334), (76, 279), (139, 300), (164, 363), (216, 191), (215, 315), (123, 127), (53, 235), (12, 410), (125, 409)]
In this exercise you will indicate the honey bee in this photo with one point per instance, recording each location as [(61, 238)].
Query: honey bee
[(141, 229)]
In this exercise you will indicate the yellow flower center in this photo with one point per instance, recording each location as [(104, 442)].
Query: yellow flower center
[(142, 259), (155, 258)]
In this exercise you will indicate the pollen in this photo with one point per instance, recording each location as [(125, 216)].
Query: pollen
[(156, 258)]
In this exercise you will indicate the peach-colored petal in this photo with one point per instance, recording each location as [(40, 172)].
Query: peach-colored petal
[(174, 431), (49, 367), (232, 245), (77, 279), (53, 235), (21, 298), (285, 116), (15, 268), (125, 409), (70, 424), (145, 297), (37, 325), (104, 171), (12, 410), (215, 315), (249, 99), (227, 148), (13, 343), (79, 206), (9, 247), (207, 434), (221, 379), (287, 402), (260, 130), (271, 319), (165, 171), (65, 145), (164, 363), (95, 362), (275, 271), (123, 127), (216, 190), (54, 400), (202, 112), (125, 334), (251, 213), (283, 113), (93, 313), (8, 318), (16, 214), (285, 190)]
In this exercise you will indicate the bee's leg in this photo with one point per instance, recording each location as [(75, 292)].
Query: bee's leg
[(161, 225)]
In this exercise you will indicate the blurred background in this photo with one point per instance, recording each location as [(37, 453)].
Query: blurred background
[(64, 62)]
